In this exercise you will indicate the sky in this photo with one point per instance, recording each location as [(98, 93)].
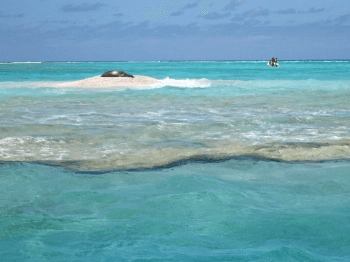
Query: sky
[(157, 30)]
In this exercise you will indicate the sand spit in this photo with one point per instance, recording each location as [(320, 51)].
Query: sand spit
[(103, 82)]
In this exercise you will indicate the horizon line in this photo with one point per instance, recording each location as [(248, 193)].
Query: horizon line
[(126, 61)]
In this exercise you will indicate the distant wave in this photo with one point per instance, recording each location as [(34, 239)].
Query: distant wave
[(195, 83), (166, 82), (315, 61), (184, 83), (25, 62), (184, 61), (255, 85)]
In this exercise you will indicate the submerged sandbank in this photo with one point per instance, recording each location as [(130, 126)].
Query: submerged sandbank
[(101, 82), (93, 155)]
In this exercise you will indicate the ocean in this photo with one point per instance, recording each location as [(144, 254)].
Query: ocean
[(219, 161)]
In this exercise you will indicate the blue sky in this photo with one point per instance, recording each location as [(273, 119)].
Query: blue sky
[(148, 30)]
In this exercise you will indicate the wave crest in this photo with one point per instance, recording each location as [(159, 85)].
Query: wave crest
[(184, 83)]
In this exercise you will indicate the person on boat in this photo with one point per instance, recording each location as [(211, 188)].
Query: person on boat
[(276, 60)]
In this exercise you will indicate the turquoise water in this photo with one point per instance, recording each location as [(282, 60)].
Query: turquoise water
[(220, 161)]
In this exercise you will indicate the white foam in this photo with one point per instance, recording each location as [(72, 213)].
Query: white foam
[(184, 83), (25, 62)]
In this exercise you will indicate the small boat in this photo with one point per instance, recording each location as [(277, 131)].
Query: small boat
[(273, 62)]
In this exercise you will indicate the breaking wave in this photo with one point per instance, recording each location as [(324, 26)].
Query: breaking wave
[(184, 83)]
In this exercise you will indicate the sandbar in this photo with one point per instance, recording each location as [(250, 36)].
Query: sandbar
[(102, 82)]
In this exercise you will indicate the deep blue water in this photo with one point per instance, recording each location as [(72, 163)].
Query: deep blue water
[(222, 161)]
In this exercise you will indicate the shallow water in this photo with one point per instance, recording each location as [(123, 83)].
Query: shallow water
[(221, 161), (209, 109), (236, 210)]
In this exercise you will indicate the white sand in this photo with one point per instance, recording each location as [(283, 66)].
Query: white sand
[(101, 82)]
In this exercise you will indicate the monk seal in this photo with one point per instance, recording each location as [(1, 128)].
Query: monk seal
[(116, 73)]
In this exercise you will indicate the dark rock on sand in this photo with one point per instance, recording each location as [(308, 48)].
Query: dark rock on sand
[(115, 73)]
